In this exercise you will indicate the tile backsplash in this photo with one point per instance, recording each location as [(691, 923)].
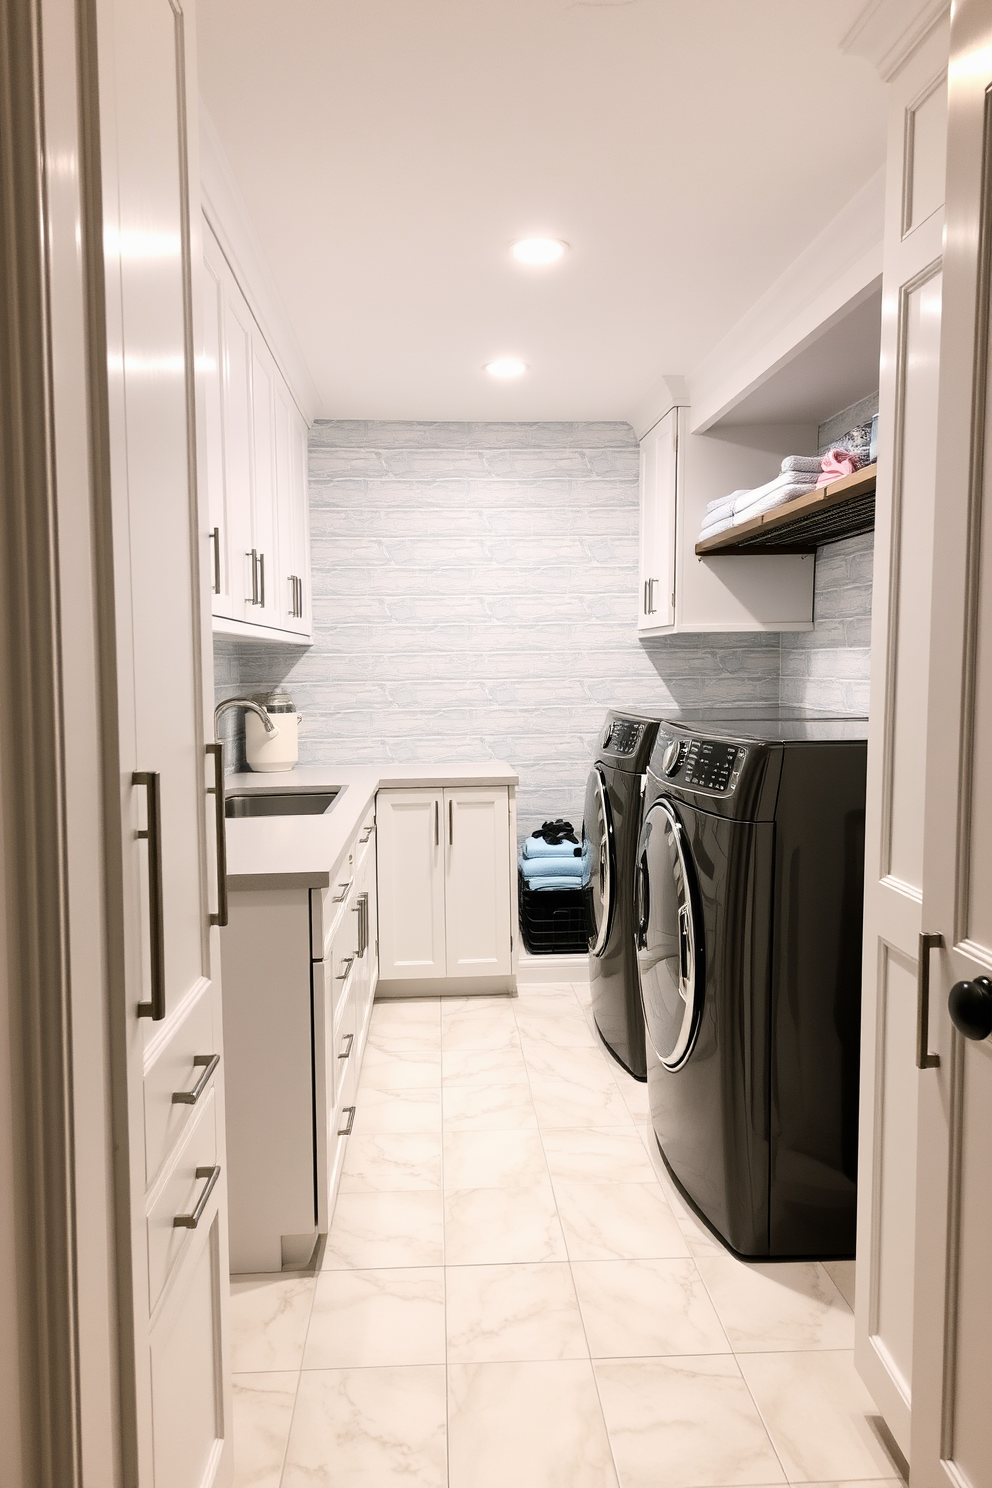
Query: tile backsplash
[(475, 592)]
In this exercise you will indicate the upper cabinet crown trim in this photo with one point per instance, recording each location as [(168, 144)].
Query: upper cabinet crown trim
[(887, 32)]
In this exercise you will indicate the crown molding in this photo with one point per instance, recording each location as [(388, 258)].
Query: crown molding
[(667, 393), (227, 213), (887, 32)]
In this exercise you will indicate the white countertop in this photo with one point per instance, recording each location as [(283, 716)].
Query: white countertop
[(306, 851)]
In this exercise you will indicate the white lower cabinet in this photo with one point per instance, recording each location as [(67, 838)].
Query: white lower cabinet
[(301, 968), (445, 881)]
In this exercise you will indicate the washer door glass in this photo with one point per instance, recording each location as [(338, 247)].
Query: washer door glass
[(669, 937), (597, 840)]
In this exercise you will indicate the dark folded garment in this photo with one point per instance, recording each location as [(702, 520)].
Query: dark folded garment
[(557, 832)]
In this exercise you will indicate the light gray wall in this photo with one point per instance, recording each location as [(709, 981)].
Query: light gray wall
[(475, 593), (830, 665)]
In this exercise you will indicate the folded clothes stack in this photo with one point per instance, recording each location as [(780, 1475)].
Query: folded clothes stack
[(553, 859), (799, 474)]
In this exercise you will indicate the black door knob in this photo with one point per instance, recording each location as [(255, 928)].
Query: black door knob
[(970, 1007)]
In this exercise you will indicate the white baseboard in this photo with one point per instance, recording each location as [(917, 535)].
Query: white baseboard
[(552, 968)]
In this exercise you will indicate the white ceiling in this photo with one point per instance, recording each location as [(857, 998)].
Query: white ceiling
[(389, 150)]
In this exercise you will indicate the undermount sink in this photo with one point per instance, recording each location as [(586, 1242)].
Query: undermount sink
[(297, 803)]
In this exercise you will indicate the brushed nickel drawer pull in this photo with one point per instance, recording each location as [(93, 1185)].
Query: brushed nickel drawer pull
[(190, 1221), (924, 1059), (347, 1053), (154, 1009), (220, 831), (209, 1063), (345, 1131), (346, 963)]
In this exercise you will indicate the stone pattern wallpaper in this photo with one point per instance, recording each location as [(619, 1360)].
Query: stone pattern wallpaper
[(475, 596)]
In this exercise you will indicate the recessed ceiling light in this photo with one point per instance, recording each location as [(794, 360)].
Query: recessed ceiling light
[(506, 367), (538, 250)]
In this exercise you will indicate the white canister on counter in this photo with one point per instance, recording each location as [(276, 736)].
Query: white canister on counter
[(279, 751)]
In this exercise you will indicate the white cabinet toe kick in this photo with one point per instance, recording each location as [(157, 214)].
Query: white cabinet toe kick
[(421, 902)]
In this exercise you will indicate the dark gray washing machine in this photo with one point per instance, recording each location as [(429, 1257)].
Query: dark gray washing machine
[(610, 827), (749, 886)]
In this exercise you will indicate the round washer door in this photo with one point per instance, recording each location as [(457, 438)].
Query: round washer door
[(669, 937), (597, 840)]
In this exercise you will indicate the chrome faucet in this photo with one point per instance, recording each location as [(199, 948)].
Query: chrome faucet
[(251, 706)]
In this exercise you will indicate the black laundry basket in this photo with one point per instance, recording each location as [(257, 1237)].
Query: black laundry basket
[(554, 922)]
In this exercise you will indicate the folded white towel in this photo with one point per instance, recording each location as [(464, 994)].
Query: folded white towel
[(771, 499), (715, 527), (723, 503), (790, 480), (802, 462)]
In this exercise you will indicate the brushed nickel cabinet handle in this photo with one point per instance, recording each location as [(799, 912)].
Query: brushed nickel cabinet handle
[(345, 1131), (437, 823), (924, 1059), (344, 887), (190, 1221), (209, 1063), (151, 780), (451, 822), (347, 1053), (261, 579), (220, 833), (346, 963), (253, 555), (215, 539)]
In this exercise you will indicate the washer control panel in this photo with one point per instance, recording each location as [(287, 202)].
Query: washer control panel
[(705, 764), (622, 735)]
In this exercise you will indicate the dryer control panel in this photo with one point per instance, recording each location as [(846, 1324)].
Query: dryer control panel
[(705, 764), (622, 735)]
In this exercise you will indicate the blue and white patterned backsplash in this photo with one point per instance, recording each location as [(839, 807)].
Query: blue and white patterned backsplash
[(475, 594)]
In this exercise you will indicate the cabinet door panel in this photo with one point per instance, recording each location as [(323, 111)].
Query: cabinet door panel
[(411, 884), (293, 596), (477, 882), (162, 674), (659, 452), (187, 1365), (267, 608)]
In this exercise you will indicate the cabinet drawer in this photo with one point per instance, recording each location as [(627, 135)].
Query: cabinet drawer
[(183, 1064), (178, 1194)]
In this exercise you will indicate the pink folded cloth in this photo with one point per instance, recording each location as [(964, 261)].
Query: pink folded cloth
[(835, 463)]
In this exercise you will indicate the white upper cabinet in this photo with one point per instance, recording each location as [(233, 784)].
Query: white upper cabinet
[(255, 438), (659, 467), (680, 473)]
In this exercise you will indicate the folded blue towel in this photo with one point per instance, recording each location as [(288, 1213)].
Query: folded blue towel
[(556, 882), (536, 847), (573, 869)]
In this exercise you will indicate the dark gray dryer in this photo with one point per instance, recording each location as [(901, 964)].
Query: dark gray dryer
[(749, 892), (610, 827)]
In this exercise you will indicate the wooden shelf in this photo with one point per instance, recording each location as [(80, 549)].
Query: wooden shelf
[(842, 509)]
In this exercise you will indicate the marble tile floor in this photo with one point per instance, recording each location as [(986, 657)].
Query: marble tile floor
[(513, 1295)]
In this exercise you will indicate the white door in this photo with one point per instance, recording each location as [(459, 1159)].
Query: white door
[(659, 463), (410, 883), (894, 867), (477, 881), (952, 1345), (173, 1333)]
